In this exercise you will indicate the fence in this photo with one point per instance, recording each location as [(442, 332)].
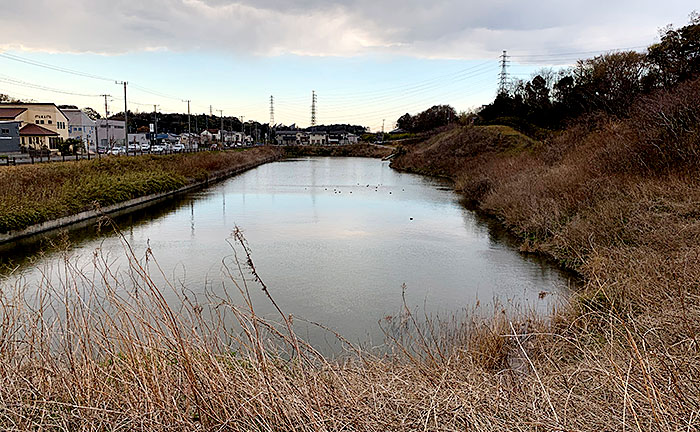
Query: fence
[(44, 156)]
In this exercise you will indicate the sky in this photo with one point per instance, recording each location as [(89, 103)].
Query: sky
[(368, 61)]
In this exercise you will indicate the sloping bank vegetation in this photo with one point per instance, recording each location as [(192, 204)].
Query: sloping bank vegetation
[(614, 195), (31, 194)]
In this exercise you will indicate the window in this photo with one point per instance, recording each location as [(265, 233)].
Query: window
[(49, 121), (6, 131)]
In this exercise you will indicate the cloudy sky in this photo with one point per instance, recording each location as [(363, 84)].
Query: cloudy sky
[(367, 60)]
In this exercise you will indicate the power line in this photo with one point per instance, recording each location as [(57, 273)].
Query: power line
[(52, 67)]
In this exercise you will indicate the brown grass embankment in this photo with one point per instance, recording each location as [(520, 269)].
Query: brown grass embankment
[(31, 194), (617, 200)]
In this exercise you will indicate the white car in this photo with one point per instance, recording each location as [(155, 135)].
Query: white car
[(177, 147), (157, 148), (134, 148), (117, 150), (145, 147)]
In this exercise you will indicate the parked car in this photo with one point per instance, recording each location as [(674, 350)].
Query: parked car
[(177, 147), (157, 148), (133, 148), (145, 147), (117, 150)]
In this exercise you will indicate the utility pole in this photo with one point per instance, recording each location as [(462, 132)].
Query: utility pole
[(313, 108), (503, 76), (109, 140), (97, 139), (155, 126), (189, 124), (221, 131), (383, 120), (126, 118)]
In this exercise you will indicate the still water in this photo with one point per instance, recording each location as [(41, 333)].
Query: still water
[(334, 239)]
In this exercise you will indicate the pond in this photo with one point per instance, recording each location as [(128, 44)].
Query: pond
[(336, 240)]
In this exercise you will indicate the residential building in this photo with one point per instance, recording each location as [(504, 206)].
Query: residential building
[(81, 127), (42, 125), (35, 137), (210, 135), (318, 138), (111, 133), (287, 137), (9, 136)]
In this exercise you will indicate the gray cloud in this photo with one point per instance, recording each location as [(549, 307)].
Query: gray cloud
[(439, 28)]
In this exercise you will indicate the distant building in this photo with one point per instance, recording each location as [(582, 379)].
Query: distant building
[(38, 137), (80, 126), (9, 136), (287, 137), (51, 124), (140, 139), (318, 138), (210, 135), (111, 133)]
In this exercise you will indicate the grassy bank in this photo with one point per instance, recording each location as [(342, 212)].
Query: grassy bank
[(31, 194), (354, 150), (613, 199), (616, 200)]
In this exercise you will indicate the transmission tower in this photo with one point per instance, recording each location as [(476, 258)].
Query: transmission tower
[(503, 76), (313, 108), (272, 111)]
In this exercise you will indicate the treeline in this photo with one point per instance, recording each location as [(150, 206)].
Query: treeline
[(607, 83), (432, 118)]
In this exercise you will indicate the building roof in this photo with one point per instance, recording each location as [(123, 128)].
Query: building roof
[(36, 130), (10, 113), (21, 104)]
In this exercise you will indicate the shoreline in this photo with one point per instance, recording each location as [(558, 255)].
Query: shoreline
[(126, 207)]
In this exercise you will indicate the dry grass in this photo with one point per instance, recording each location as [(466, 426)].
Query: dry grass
[(93, 352), (31, 194), (99, 351), (619, 202)]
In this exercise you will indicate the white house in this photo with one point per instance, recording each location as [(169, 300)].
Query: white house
[(80, 127), (210, 135), (318, 138)]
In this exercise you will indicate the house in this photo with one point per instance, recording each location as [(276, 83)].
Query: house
[(189, 140), (81, 127), (318, 138), (352, 139), (42, 125), (37, 137), (210, 135), (287, 137), (9, 136), (111, 133)]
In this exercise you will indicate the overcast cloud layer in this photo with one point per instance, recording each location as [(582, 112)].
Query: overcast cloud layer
[(437, 29)]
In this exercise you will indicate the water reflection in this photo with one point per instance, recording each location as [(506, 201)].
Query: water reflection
[(334, 239)]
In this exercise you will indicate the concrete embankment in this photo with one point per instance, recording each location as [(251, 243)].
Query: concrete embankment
[(125, 207)]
